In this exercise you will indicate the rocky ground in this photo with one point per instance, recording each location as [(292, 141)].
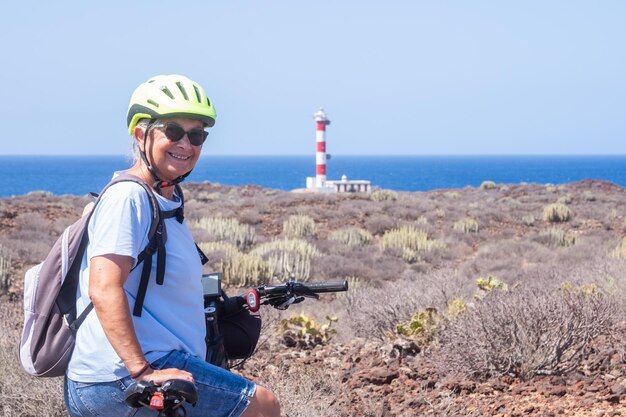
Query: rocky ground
[(395, 379), (368, 377)]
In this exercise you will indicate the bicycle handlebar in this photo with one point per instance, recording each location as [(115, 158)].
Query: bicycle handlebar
[(301, 288), (281, 296)]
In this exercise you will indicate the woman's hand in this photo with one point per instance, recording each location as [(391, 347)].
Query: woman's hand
[(159, 376)]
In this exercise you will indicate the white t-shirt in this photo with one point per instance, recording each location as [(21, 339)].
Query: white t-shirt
[(173, 313)]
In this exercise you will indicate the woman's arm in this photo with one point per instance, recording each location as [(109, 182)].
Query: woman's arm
[(107, 276)]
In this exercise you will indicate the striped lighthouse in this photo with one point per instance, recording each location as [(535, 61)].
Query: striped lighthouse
[(320, 156)]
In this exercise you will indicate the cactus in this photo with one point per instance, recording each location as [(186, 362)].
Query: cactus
[(287, 258), (230, 230), (466, 225), (620, 251), (528, 220), (351, 236), (556, 213), (299, 226), (487, 185), (384, 195), (244, 269), (557, 237), (490, 284), (409, 237), (5, 276), (302, 331), (423, 326)]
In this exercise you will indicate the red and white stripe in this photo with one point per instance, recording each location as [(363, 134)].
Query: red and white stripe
[(320, 156)]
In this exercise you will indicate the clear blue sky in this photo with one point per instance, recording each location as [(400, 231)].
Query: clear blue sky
[(395, 77)]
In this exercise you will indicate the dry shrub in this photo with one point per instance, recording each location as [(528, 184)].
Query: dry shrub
[(393, 303), (380, 223), (556, 213), (299, 226), (526, 332), (23, 395), (250, 216), (367, 263), (307, 392), (528, 220)]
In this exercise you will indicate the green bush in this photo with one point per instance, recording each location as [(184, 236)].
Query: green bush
[(299, 226), (351, 236), (556, 213)]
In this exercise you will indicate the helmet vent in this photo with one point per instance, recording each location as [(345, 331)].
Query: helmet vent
[(167, 92), (154, 103), (197, 94), (182, 90)]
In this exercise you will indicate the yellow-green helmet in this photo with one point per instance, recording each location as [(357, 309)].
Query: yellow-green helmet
[(169, 96)]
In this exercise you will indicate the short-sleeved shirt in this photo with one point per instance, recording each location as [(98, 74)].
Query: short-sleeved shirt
[(173, 313)]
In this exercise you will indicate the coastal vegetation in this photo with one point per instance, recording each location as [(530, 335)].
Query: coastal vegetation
[(513, 281)]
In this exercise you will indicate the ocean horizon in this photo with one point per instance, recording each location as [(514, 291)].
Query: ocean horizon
[(81, 174)]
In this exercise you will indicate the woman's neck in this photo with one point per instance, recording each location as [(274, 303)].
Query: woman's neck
[(141, 171)]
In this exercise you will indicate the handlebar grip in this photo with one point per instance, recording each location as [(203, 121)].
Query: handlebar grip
[(328, 286)]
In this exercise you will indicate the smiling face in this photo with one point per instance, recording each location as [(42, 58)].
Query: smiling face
[(171, 159)]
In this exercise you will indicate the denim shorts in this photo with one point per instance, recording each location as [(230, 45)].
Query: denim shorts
[(220, 392)]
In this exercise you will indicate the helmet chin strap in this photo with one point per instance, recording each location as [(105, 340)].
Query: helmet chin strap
[(158, 182)]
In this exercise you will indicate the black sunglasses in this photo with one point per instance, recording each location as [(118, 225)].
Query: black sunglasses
[(175, 132)]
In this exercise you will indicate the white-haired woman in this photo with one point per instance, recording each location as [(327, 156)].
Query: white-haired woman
[(163, 338)]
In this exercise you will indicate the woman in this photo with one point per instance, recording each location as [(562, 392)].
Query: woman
[(167, 116)]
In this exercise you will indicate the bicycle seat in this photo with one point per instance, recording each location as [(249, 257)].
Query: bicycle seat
[(174, 391)]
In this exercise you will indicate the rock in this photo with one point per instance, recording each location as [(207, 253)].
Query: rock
[(618, 388), (375, 376), (558, 391)]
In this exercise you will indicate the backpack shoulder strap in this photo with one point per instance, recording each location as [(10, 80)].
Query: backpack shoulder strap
[(156, 243)]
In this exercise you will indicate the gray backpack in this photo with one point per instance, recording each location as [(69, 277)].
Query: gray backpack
[(50, 321)]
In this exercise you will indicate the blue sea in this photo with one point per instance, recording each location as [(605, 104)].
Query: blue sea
[(81, 174)]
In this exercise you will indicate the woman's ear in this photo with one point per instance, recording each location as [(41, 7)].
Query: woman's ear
[(140, 135)]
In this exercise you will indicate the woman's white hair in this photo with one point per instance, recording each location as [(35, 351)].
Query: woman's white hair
[(135, 151)]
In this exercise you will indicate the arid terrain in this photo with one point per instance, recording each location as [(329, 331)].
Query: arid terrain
[(499, 300)]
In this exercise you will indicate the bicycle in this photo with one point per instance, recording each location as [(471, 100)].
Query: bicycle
[(172, 394)]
